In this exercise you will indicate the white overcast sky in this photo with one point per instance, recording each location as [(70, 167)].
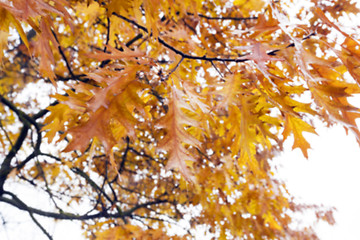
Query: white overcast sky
[(331, 176)]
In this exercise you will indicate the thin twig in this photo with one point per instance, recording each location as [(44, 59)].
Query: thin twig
[(221, 75), (130, 21), (63, 56), (39, 225), (173, 70), (103, 63), (6, 134), (225, 17), (122, 164), (81, 173), (203, 58), (47, 188)]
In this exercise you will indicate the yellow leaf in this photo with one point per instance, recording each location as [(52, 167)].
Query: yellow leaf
[(296, 126)]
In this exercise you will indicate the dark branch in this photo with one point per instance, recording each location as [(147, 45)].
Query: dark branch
[(130, 42), (91, 182), (122, 165), (103, 63), (39, 225), (174, 69), (6, 164), (225, 17), (203, 58), (26, 119), (43, 112), (63, 56), (130, 21), (16, 202)]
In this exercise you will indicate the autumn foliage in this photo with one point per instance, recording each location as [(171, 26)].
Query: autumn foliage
[(146, 112)]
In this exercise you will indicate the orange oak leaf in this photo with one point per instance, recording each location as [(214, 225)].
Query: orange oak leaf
[(176, 135), (297, 126), (98, 126), (124, 54)]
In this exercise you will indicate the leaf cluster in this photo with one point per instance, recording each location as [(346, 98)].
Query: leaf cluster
[(163, 110)]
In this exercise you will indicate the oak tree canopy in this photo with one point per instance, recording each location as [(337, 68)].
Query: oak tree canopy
[(140, 113)]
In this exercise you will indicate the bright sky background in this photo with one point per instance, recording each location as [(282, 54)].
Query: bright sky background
[(330, 176)]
